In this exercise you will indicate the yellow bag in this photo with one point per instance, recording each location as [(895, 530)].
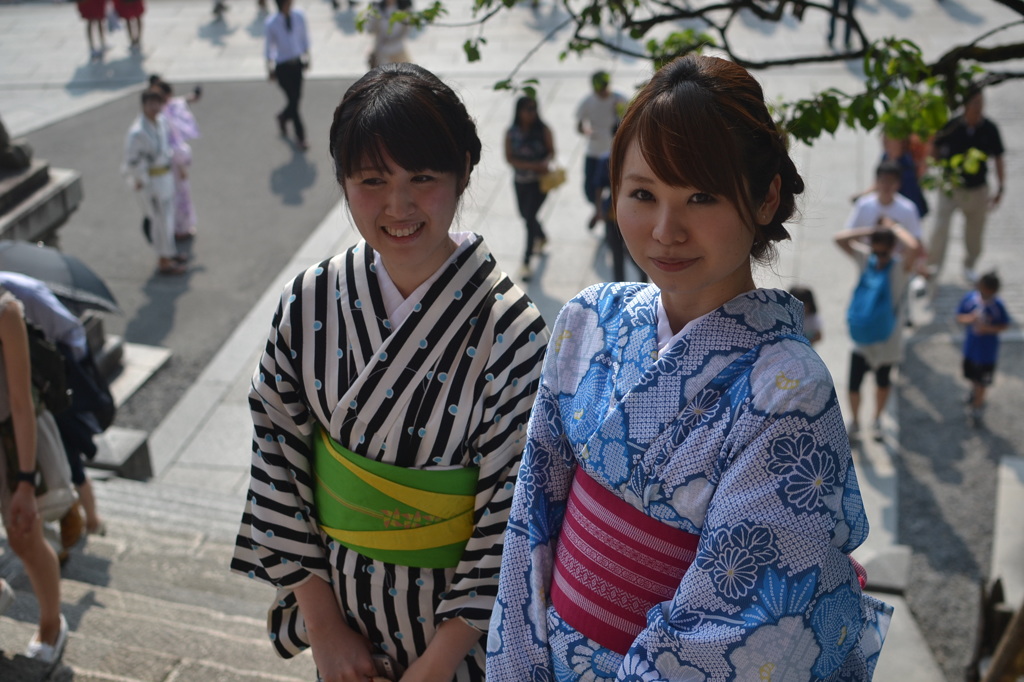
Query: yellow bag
[(552, 179)]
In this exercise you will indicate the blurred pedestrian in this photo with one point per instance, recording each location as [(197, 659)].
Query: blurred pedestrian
[(18, 478), (147, 163), (389, 34), (90, 396), (286, 50), (131, 11), (389, 423), (597, 117), (984, 317), (877, 310), (813, 326), (845, 9), (529, 148), (885, 200), (970, 193), (181, 128), (94, 12), (612, 233)]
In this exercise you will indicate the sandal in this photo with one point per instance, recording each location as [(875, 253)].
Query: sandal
[(171, 269)]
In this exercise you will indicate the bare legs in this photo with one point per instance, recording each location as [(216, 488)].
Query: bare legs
[(44, 573), (95, 26)]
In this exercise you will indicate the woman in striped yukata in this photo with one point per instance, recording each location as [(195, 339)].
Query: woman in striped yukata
[(390, 407), (687, 503)]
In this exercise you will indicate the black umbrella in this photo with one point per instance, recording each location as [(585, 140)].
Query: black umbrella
[(69, 278)]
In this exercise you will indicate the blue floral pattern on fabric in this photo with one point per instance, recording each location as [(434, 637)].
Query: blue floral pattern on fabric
[(733, 433)]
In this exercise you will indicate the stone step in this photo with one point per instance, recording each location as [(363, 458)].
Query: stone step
[(154, 599), (118, 634), (17, 186), (39, 215)]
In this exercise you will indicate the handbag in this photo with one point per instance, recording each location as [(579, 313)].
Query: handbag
[(555, 177), (55, 493)]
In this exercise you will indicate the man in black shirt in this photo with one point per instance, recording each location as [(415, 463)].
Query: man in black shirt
[(970, 130)]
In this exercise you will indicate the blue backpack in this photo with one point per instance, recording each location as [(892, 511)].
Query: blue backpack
[(871, 316)]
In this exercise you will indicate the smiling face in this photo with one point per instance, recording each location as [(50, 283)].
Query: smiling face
[(404, 216), (695, 246)]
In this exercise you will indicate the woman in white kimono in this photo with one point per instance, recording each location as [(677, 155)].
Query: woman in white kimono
[(687, 501), (390, 407)]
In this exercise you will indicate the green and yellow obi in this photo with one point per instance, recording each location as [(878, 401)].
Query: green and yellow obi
[(410, 517)]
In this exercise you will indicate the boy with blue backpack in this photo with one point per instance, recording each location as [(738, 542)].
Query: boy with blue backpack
[(877, 308)]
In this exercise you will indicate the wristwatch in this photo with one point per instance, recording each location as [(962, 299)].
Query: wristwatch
[(27, 477)]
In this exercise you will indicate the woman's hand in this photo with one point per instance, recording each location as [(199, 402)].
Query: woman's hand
[(450, 644), (24, 513), (343, 656)]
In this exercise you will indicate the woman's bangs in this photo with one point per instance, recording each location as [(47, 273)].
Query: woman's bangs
[(688, 146), (414, 140)]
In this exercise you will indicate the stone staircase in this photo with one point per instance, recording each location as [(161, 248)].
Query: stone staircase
[(153, 600), (36, 202)]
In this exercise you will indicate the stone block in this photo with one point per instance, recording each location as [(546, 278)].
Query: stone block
[(125, 452), (44, 211)]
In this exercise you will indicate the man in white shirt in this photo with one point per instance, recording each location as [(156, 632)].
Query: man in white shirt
[(147, 163), (287, 53), (597, 117), (886, 202)]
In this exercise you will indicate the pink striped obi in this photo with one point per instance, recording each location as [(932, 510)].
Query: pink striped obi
[(613, 563)]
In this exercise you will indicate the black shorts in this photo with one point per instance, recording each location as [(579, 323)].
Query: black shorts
[(979, 374), (859, 367)]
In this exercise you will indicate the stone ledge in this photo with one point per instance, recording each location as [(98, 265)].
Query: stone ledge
[(38, 216)]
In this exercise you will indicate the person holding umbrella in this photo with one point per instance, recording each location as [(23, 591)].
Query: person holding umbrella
[(147, 163)]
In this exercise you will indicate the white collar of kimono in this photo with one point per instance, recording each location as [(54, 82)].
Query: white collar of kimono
[(665, 336), (397, 307)]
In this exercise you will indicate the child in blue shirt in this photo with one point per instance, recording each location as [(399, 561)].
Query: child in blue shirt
[(984, 315)]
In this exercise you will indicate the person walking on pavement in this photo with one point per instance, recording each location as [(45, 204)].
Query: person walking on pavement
[(18, 508), (388, 36), (597, 117), (94, 12), (131, 11), (984, 317), (969, 131), (390, 407), (147, 163), (841, 8), (892, 266), (286, 50), (529, 148)]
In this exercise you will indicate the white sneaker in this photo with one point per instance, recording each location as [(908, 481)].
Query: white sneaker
[(970, 275), (48, 653), (876, 432), (919, 286), (853, 431), (6, 595), (525, 273)]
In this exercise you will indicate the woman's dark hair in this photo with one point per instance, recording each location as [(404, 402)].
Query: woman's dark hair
[(408, 113), (805, 296), (527, 102), (702, 122)]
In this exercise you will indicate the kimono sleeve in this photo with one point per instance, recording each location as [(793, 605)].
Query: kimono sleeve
[(517, 644), (134, 167), (772, 587), (278, 542), (511, 377)]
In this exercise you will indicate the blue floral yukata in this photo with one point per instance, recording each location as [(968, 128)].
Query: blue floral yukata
[(732, 433)]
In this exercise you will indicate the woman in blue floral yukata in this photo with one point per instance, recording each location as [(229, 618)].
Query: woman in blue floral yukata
[(687, 503)]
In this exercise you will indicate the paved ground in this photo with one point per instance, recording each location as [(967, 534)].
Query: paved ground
[(920, 491)]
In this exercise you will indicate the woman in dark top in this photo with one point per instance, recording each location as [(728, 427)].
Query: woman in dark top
[(529, 147)]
